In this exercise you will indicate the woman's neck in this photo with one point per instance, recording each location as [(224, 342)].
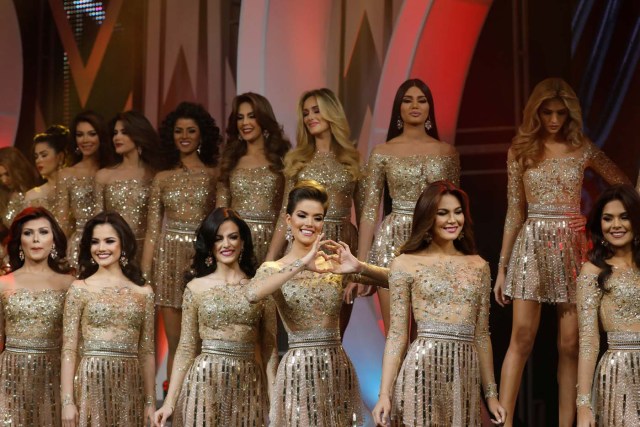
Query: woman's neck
[(35, 267), (229, 273), (191, 160), (442, 248), (256, 148), (323, 142)]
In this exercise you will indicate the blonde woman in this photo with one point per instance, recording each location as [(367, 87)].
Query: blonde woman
[(544, 243)]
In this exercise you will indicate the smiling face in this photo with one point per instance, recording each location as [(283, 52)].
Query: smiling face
[(186, 135), (46, 159), (248, 127), (616, 225), (553, 115), (87, 139), (306, 222), (228, 244), (414, 108), (36, 239), (449, 219), (121, 140), (312, 117), (106, 247)]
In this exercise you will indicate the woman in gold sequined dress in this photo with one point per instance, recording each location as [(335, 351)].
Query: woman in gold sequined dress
[(446, 287), (226, 384), (180, 198), (31, 305), (91, 149), (399, 170), (609, 295), (108, 355), (544, 244), (251, 179)]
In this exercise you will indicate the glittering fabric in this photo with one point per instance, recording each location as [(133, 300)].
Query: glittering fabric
[(30, 363), (316, 384), (547, 255), (17, 203), (616, 386), (116, 329), (183, 197), (405, 177), (439, 380), (130, 198), (74, 207), (225, 385), (256, 194)]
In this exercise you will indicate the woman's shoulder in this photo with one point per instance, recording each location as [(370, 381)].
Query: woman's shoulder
[(590, 268)]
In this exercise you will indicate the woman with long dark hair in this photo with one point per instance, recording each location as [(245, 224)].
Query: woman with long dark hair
[(17, 176), (226, 384), (108, 354), (32, 302), (609, 295)]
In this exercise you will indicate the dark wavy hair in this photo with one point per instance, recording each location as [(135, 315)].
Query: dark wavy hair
[(106, 153), (13, 243), (601, 251), (56, 136), (24, 175), (307, 190), (276, 145), (209, 133), (397, 101), (206, 238), (144, 136), (424, 218), (127, 245)]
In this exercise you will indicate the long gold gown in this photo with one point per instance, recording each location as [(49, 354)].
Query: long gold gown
[(256, 194), (30, 362), (130, 198), (75, 206), (183, 197), (405, 179), (616, 386), (547, 255), (115, 328), (17, 203), (439, 381), (224, 385), (316, 384)]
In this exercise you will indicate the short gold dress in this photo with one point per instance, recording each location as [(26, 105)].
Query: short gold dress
[(439, 381), (30, 362), (547, 255), (114, 327), (316, 384), (130, 198), (616, 385), (17, 204), (75, 205), (256, 194), (405, 178), (183, 198), (224, 385)]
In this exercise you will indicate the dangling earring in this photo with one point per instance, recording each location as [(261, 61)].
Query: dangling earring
[(54, 252), (461, 235), (604, 243), (289, 235), (78, 151), (139, 151), (208, 261), (399, 123), (240, 138), (428, 125), (21, 254), (123, 259), (93, 261), (198, 149), (427, 238), (265, 133)]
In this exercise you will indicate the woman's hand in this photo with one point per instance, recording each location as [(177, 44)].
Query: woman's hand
[(382, 411), (162, 415), (577, 222), (498, 290), (70, 416), (309, 260), (342, 261), (585, 417), (498, 413)]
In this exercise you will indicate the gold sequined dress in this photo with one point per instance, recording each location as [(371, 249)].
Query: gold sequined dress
[(616, 385), (316, 384), (183, 197), (440, 378), (224, 385), (17, 203), (114, 326), (256, 194), (75, 206), (405, 179), (547, 255), (130, 198), (30, 362)]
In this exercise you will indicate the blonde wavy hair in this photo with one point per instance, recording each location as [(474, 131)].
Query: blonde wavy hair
[(341, 144), (527, 145)]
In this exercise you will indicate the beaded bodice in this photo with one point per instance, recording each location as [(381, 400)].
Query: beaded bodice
[(33, 315), (252, 192)]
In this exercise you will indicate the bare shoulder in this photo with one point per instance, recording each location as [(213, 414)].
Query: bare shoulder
[(104, 175), (385, 148), (197, 285), (7, 281), (63, 281), (144, 290), (476, 260), (589, 268), (447, 149)]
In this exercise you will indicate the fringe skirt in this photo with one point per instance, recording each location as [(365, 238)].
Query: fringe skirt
[(73, 249), (108, 389), (547, 256), (261, 233), (392, 234), (224, 387), (439, 381), (172, 259), (30, 386), (617, 382), (316, 384)]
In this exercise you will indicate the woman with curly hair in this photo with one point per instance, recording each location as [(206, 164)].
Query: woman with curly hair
[(252, 164), (17, 175), (544, 244), (90, 149), (180, 198)]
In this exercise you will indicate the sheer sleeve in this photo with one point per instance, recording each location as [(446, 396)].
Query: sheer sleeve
[(146, 345), (400, 290), (282, 225), (99, 197), (62, 209), (373, 188), (455, 170), (358, 196), (268, 341), (223, 195), (482, 335), (155, 214), (15, 206), (516, 204), (599, 162), (71, 333), (251, 289), (2, 322), (588, 300)]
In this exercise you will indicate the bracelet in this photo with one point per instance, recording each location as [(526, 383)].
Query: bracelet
[(583, 400), (491, 391), (149, 400), (67, 400), (294, 265), (502, 263), (358, 276)]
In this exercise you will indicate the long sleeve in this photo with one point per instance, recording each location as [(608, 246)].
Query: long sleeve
[(588, 300), (15, 206), (62, 208), (599, 162), (373, 188), (252, 292), (455, 171), (71, 336), (278, 239), (482, 335), (146, 347), (101, 204), (155, 215), (2, 325), (223, 195), (268, 342), (516, 204)]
